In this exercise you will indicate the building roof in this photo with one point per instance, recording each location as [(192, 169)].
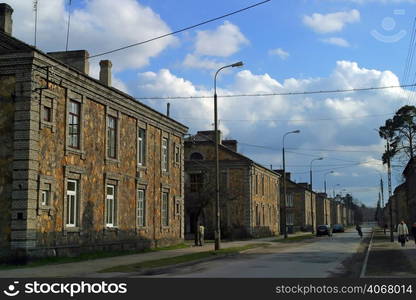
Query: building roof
[(10, 44), (201, 138)]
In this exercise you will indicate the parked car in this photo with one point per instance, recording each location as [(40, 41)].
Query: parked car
[(323, 230), (338, 228)]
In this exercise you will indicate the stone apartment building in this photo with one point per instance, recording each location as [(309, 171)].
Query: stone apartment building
[(249, 197), (300, 206), (409, 174), (323, 209), (83, 166)]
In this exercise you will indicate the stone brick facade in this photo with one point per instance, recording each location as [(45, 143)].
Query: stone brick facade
[(39, 166), (323, 209), (249, 197)]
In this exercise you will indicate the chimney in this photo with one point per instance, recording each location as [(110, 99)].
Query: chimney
[(280, 171), (6, 22), (105, 72), (230, 144), (210, 134), (77, 59)]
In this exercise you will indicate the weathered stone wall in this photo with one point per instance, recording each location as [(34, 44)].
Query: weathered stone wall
[(238, 197), (7, 110), (95, 170), (266, 202)]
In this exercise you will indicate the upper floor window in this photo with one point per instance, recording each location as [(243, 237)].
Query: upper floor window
[(47, 114), (165, 154), (289, 201), (111, 137), (177, 154), (141, 147), (196, 181), (46, 195), (74, 124), (196, 156)]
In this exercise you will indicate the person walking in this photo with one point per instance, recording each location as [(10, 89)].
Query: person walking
[(414, 231), (402, 233), (201, 231), (360, 232)]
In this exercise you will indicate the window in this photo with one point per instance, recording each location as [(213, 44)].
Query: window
[(289, 200), (71, 203), (224, 181), (111, 137), (47, 114), (177, 154), (141, 147), (257, 213), (262, 185), (141, 207), (196, 182), (74, 124), (165, 154), (165, 209), (110, 206), (289, 219), (196, 156), (46, 194), (270, 215), (257, 184)]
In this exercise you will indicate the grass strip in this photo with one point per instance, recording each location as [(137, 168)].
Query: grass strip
[(292, 239), (179, 259), (87, 256)]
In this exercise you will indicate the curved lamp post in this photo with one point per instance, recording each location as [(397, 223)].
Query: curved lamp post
[(330, 172), (284, 182), (217, 164)]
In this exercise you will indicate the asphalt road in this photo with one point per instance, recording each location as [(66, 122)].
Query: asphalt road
[(320, 258)]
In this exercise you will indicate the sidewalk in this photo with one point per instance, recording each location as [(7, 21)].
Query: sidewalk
[(83, 268), (391, 260)]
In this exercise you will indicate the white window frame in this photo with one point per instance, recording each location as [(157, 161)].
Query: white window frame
[(72, 209), (46, 196), (165, 154), (141, 147), (141, 209), (110, 219)]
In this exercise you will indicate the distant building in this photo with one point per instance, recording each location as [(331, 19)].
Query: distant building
[(249, 196), (323, 209), (300, 205)]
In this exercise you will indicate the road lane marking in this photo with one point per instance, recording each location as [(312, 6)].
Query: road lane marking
[(364, 268)]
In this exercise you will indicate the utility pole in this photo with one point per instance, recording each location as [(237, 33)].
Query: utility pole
[(389, 187)]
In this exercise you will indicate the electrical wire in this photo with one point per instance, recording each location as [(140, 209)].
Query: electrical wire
[(180, 30), (277, 94)]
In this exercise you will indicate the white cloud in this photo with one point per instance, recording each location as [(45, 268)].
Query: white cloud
[(195, 61), (226, 40), (332, 22), (337, 41), (279, 52), (95, 28)]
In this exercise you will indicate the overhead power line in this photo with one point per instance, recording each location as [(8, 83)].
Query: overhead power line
[(278, 94), (290, 120), (180, 30)]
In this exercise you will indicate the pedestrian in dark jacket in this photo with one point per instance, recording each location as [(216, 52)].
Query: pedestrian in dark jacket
[(358, 228), (414, 231)]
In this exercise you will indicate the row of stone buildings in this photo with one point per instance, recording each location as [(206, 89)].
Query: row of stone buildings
[(85, 167), (402, 204)]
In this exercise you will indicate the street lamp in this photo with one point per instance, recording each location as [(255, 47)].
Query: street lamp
[(331, 172), (310, 177), (217, 163), (284, 182), (310, 170)]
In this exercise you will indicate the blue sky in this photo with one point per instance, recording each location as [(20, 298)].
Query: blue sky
[(288, 45)]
